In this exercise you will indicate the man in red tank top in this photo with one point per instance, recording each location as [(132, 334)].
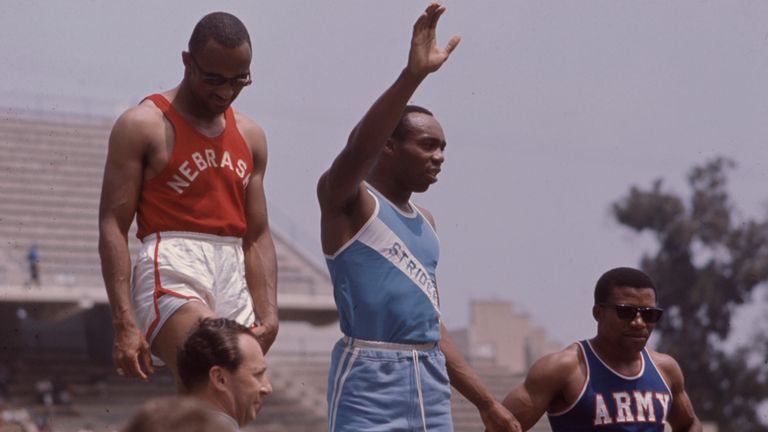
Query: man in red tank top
[(191, 170)]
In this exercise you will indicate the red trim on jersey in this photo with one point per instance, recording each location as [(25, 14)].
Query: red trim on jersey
[(160, 291)]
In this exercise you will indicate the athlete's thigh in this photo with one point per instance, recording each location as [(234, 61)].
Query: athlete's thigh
[(231, 298), (175, 330)]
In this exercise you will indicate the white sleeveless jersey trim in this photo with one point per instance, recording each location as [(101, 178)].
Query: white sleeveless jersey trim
[(410, 215), (629, 378), (583, 388), (383, 240), (661, 375), (428, 222), (360, 231)]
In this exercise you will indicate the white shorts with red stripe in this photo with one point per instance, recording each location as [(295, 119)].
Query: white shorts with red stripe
[(173, 268)]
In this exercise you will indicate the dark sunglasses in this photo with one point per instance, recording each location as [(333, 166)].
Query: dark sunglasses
[(215, 80), (628, 313)]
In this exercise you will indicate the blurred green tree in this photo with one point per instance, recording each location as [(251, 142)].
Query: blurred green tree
[(708, 263)]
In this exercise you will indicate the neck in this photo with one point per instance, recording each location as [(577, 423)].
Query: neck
[(389, 187), (186, 103), (616, 356), (217, 402)]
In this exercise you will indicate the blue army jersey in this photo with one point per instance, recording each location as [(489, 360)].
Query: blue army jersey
[(384, 277), (612, 402)]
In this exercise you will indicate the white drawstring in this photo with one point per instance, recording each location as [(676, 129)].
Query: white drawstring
[(418, 388)]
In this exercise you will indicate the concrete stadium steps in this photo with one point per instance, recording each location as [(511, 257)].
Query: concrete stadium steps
[(83, 129), (499, 382), (304, 377), (28, 146), (50, 182)]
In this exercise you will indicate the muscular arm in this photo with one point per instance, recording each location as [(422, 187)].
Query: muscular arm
[(546, 381), (681, 416), (258, 247), (340, 186), (123, 174), (466, 381)]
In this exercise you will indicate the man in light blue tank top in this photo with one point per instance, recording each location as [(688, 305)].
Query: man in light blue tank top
[(612, 382), (393, 369)]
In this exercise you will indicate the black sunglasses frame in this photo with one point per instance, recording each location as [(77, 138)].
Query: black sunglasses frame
[(626, 312), (215, 80)]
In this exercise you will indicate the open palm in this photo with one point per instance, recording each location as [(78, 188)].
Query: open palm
[(425, 56)]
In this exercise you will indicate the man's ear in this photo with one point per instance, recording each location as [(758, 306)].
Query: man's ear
[(217, 377), (186, 60), (596, 312), (389, 147)]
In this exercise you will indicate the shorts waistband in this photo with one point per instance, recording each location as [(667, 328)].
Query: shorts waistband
[(390, 346), (211, 238)]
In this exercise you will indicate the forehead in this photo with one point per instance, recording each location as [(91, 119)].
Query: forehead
[(425, 125), (632, 296), (218, 58), (251, 352)]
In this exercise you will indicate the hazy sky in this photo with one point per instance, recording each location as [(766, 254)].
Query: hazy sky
[(551, 111)]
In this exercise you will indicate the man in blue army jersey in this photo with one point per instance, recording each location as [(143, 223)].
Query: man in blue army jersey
[(391, 370), (612, 382)]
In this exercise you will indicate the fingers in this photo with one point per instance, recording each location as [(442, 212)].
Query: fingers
[(452, 44), (128, 362), (135, 368), (427, 19), (435, 16), (146, 356)]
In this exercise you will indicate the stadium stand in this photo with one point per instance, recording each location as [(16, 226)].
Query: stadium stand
[(58, 330), (57, 335)]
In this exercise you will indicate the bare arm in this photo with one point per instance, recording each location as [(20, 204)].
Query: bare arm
[(681, 416), (340, 185), (123, 174), (258, 247), (495, 417), (546, 381)]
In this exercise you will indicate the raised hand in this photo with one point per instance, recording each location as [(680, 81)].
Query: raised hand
[(425, 57)]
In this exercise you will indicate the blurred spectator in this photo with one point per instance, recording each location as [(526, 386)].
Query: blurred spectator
[(44, 389), (178, 415), (5, 377), (33, 259), (16, 420)]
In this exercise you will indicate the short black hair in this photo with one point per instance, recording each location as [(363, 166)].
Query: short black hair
[(621, 277), (224, 28), (403, 127), (214, 342)]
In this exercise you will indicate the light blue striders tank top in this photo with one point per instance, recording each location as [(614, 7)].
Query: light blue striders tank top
[(384, 277), (611, 402)]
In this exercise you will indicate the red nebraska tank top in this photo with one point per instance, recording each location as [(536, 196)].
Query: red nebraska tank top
[(202, 187)]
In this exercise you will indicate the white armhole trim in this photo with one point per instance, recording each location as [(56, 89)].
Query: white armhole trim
[(658, 371), (583, 388), (360, 231), (426, 220), (410, 215)]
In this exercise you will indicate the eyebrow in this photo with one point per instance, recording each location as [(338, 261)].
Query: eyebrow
[(443, 143)]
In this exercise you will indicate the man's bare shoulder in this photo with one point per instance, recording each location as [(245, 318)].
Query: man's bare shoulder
[(428, 215), (145, 118), (251, 131), (563, 362), (668, 367)]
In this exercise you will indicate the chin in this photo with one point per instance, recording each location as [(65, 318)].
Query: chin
[(635, 344), (421, 187)]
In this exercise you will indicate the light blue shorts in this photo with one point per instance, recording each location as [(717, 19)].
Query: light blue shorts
[(379, 387)]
